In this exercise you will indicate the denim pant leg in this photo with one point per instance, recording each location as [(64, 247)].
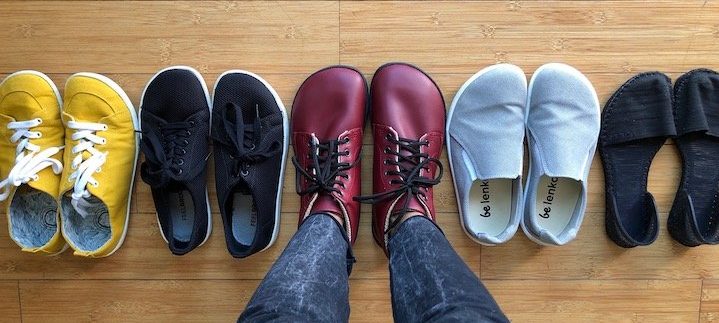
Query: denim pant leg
[(431, 283), (309, 282)]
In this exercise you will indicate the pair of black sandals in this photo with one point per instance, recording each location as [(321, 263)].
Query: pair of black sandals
[(636, 122)]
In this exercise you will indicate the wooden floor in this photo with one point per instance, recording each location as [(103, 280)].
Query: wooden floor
[(590, 279)]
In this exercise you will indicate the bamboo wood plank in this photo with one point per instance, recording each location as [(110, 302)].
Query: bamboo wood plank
[(9, 302), (595, 36), (598, 301), (138, 36), (710, 301)]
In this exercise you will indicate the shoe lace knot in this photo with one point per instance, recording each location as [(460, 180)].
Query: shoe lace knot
[(29, 158), (248, 143), (410, 163), (324, 168), (165, 147)]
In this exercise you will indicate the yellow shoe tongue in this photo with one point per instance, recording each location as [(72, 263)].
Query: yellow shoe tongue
[(20, 106), (88, 108)]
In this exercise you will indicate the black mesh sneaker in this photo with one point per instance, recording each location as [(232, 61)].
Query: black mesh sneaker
[(175, 122), (250, 135)]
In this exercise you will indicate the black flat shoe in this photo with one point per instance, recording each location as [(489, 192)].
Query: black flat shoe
[(250, 135), (694, 218), (636, 122), (175, 123)]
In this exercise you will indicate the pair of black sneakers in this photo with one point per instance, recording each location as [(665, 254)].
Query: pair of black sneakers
[(248, 125)]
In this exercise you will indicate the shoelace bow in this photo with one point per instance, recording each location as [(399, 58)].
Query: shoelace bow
[(85, 136), (27, 165), (324, 167), (164, 149), (248, 143), (411, 183)]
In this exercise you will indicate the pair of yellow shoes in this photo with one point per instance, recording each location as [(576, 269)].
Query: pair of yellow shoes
[(67, 168)]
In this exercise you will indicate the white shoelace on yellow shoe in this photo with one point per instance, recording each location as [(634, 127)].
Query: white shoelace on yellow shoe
[(84, 168), (28, 165)]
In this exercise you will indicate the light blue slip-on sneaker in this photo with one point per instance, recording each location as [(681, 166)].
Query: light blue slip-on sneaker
[(562, 132), (485, 144)]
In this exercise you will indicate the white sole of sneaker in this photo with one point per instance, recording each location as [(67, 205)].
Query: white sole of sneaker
[(285, 148), (209, 105)]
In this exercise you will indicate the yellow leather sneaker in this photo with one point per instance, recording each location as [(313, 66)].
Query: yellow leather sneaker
[(31, 139), (101, 147)]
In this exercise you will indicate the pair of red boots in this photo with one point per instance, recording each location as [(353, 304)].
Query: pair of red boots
[(408, 122)]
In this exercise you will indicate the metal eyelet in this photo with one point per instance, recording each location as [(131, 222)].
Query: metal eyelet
[(192, 123), (180, 162), (252, 147), (244, 172)]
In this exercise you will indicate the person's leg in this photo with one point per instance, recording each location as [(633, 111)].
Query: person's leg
[(430, 282), (309, 282)]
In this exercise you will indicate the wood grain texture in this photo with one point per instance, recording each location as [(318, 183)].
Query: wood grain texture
[(595, 36), (589, 280), (9, 301), (598, 300), (168, 300), (139, 36), (710, 301)]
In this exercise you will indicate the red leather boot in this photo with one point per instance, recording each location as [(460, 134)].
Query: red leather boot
[(328, 117), (408, 128)]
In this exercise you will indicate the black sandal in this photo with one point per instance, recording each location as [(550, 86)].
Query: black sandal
[(694, 218), (636, 122)]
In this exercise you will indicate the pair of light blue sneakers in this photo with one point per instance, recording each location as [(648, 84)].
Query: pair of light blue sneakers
[(486, 126)]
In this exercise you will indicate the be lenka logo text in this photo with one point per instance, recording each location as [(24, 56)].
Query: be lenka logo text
[(549, 197), (485, 200)]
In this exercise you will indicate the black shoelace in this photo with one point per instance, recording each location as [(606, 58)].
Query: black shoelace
[(164, 149), (411, 184), (248, 143), (324, 168)]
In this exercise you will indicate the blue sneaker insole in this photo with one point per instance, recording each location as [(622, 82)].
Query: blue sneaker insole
[(244, 219)]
